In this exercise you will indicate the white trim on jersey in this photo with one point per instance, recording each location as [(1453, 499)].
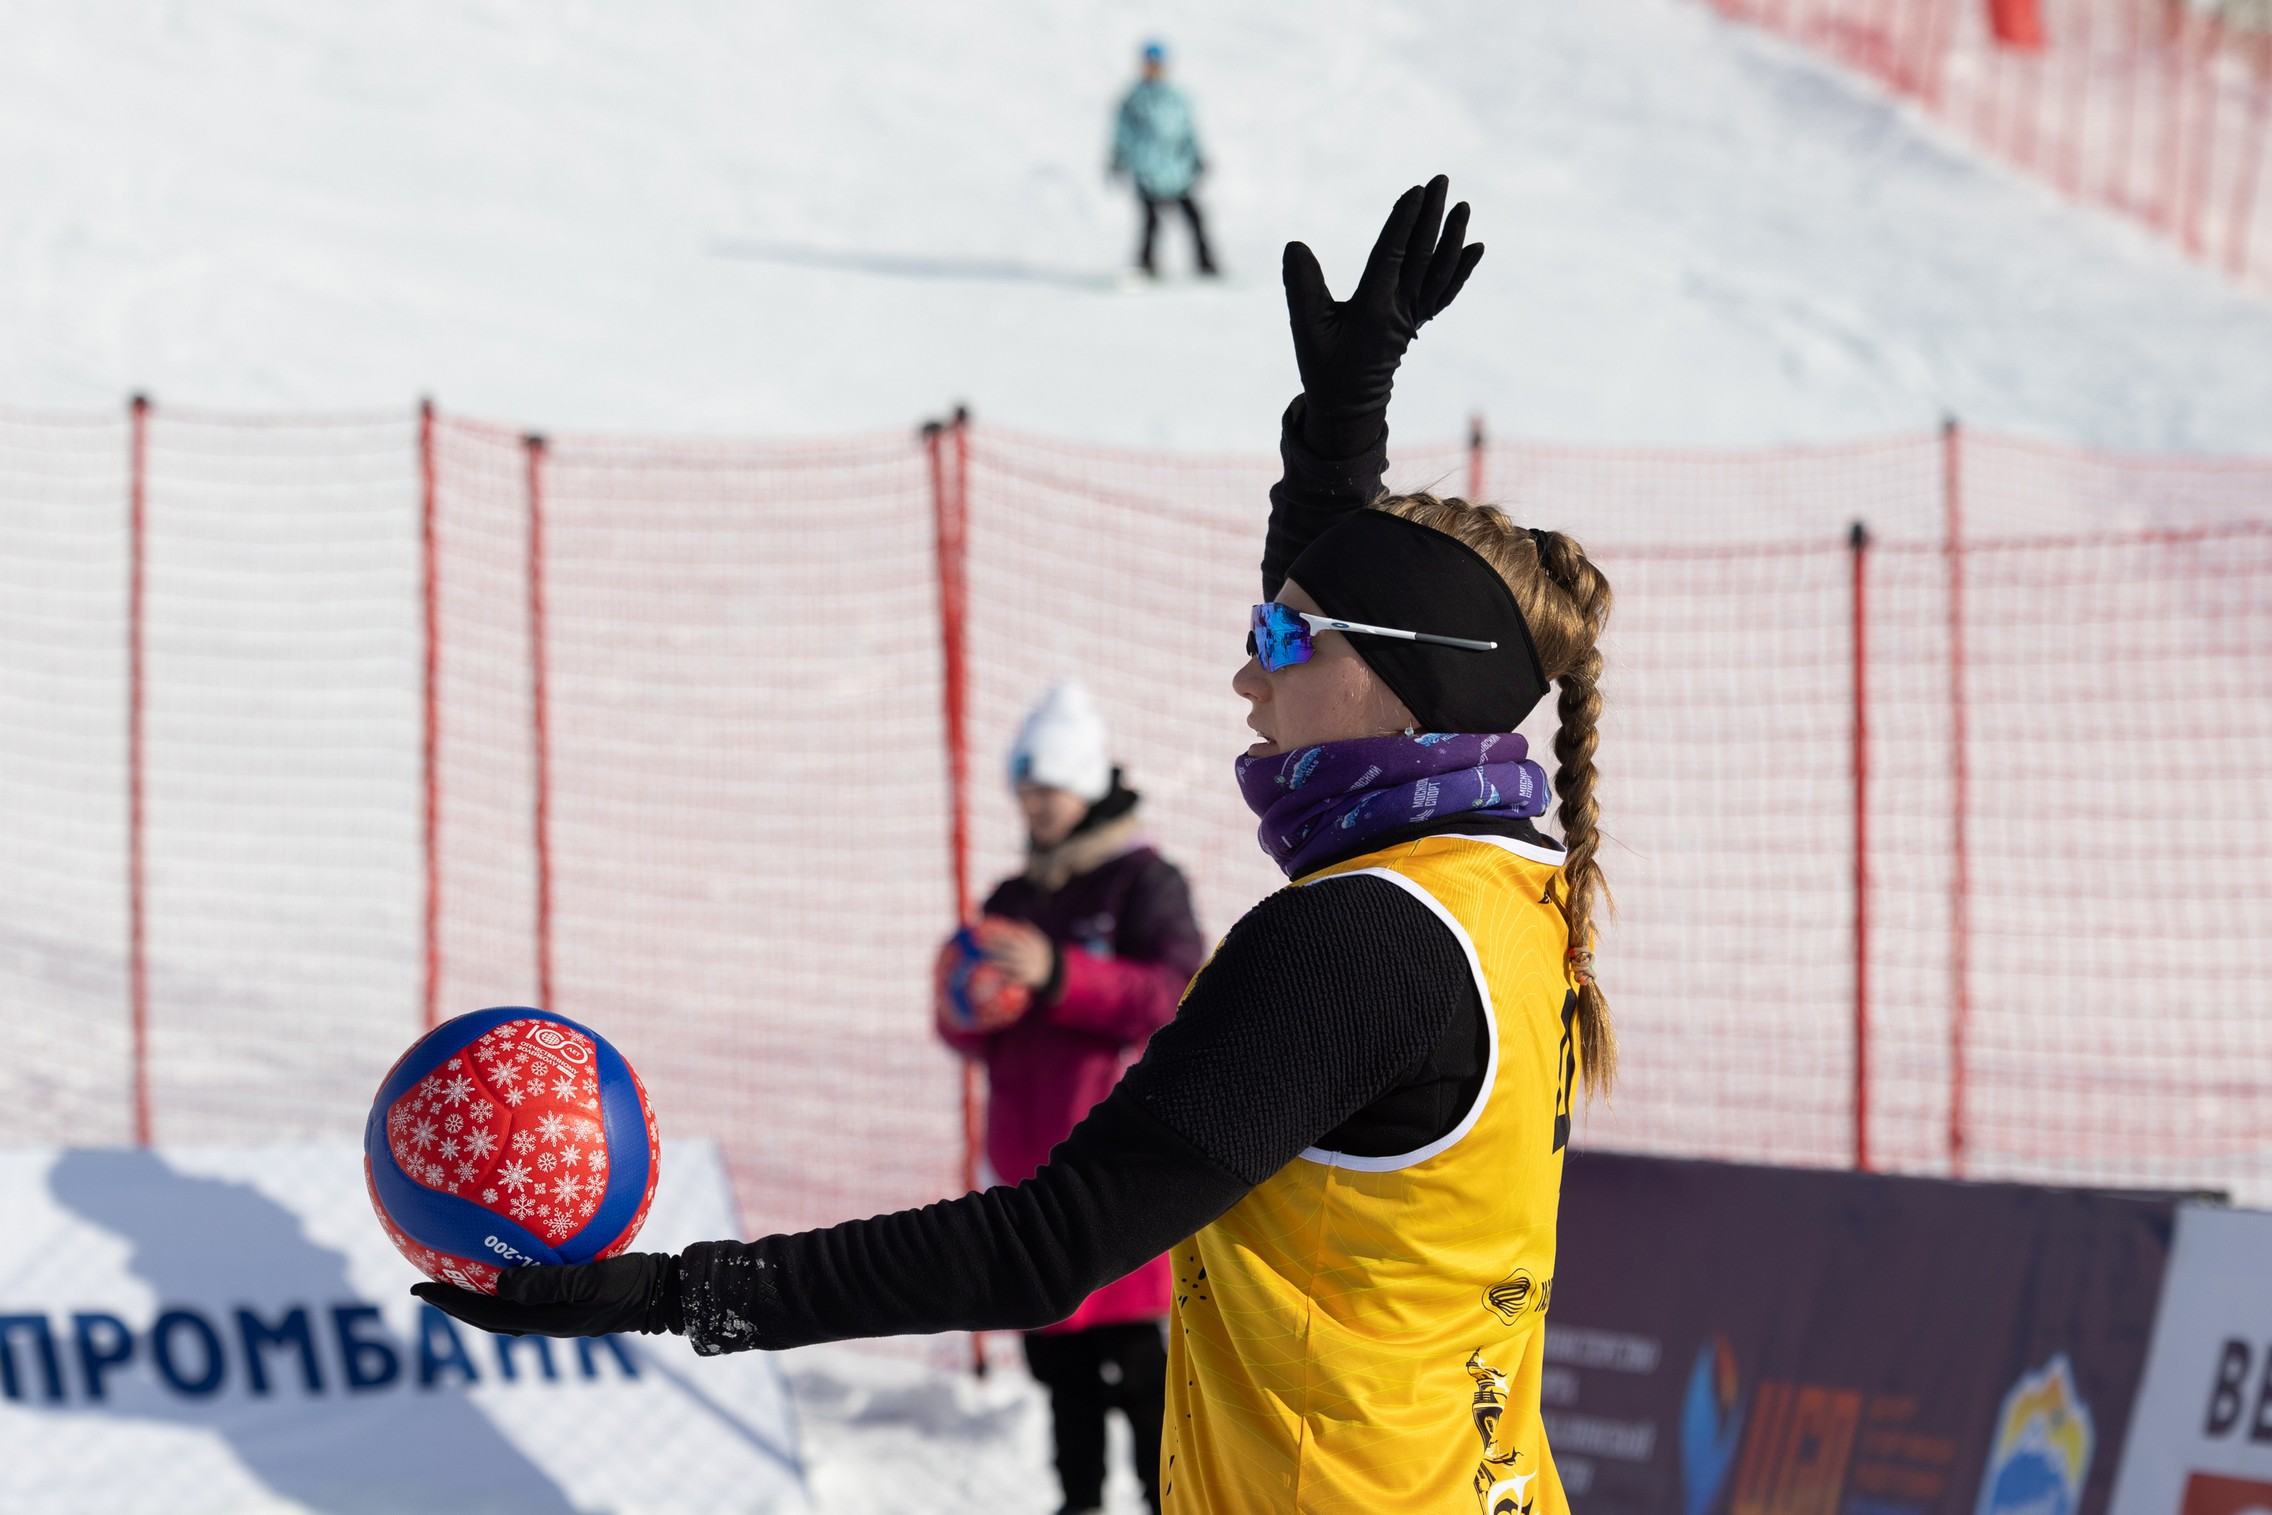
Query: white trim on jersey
[(1452, 1137), (1552, 857)]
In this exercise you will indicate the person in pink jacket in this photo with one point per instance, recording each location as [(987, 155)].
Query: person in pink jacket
[(1098, 930)]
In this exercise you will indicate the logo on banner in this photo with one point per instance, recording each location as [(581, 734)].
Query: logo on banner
[(1797, 1451), (1711, 1421), (2042, 1449)]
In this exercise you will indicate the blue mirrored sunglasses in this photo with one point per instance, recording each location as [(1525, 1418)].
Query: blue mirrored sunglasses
[(1281, 636)]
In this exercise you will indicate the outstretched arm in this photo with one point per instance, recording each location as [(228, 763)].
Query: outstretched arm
[(1122, 1189), (1318, 1002)]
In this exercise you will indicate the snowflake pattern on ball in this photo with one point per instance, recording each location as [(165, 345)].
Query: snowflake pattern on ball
[(515, 1119), (470, 1127)]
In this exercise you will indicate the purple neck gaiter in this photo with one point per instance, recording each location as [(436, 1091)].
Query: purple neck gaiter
[(1325, 802)]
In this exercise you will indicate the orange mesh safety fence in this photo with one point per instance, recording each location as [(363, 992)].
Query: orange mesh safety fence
[(279, 767), (2157, 109), (270, 725), (745, 808), (63, 781), (1728, 752), (715, 811)]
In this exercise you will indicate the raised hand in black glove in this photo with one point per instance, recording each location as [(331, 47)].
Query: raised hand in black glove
[(635, 1292), (1348, 350)]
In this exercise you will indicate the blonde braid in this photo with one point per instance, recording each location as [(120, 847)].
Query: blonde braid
[(1578, 714), (1565, 601)]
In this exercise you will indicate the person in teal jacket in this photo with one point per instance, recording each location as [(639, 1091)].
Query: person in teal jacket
[(1156, 145)]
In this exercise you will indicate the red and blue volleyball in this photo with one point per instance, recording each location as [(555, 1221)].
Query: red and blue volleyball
[(508, 1137), (971, 991)]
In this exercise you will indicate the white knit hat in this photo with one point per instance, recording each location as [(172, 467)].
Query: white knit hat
[(1063, 745)]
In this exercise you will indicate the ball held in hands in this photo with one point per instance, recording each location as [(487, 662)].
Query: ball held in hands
[(973, 991)]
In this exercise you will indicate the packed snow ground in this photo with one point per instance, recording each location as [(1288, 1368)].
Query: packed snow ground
[(882, 1436), (778, 219)]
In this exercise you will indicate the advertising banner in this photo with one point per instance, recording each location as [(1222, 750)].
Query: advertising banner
[(1734, 1340), (195, 1330), (2201, 1442)]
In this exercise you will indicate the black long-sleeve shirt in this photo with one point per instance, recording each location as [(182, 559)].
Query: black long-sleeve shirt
[(1340, 1014)]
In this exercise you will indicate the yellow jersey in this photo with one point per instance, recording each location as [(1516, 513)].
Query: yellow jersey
[(1366, 1334)]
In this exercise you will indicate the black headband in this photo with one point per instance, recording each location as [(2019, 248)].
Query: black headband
[(1383, 570)]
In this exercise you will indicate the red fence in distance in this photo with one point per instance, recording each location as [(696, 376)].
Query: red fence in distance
[(2156, 109)]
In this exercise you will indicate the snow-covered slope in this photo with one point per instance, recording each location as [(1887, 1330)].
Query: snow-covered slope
[(779, 218)]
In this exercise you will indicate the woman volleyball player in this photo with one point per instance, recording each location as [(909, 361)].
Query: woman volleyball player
[(1351, 1136)]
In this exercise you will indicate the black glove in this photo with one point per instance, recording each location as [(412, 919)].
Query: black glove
[(1348, 350), (635, 1292)]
